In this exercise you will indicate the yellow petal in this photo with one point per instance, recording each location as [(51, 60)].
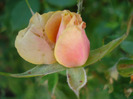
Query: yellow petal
[(32, 44)]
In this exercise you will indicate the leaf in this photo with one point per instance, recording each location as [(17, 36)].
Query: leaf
[(30, 91), (128, 92), (76, 78), (52, 82), (125, 67), (62, 3), (97, 54), (21, 14), (125, 46), (60, 94), (113, 72), (15, 85), (38, 71), (109, 87)]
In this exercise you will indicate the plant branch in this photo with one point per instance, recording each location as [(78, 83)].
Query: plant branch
[(29, 7), (79, 5), (129, 25)]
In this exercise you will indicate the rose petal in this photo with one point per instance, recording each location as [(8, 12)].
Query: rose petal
[(52, 26), (66, 17), (32, 44), (72, 47)]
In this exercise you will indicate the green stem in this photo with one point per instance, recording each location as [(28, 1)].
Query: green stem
[(80, 5), (129, 25), (5, 74), (29, 7)]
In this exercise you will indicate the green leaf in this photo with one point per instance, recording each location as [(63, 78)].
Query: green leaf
[(21, 14), (15, 85), (38, 71), (62, 3), (52, 82), (125, 46), (125, 67), (60, 94), (76, 78), (30, 90), (97, 54)]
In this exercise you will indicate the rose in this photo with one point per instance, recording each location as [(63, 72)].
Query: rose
[(54, 36)]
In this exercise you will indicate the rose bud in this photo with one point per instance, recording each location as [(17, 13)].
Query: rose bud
[(54, 36), (72, 45)]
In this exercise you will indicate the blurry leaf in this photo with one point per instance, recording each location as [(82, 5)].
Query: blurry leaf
[(113, 72), (21, 14), (41, 92), (125, 67), (103, 29), (30, 92), (76, 78), (112, 25), (62, 3), (15, 86), (97, 54), (128, 92), (109, 87), (63, 73), (127, 46), (60, 94), (100, 32), (52, 82), (62, 86), (95, 86), (43, 79), (38, 71)]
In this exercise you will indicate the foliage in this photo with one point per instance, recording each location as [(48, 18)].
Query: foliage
[(106, 20)]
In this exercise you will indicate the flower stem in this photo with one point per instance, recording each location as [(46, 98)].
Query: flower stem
[(5, 74), (129, 25), (79, 4), (29, 7)]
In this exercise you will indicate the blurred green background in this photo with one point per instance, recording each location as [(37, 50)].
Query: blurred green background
[(106, 20)]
